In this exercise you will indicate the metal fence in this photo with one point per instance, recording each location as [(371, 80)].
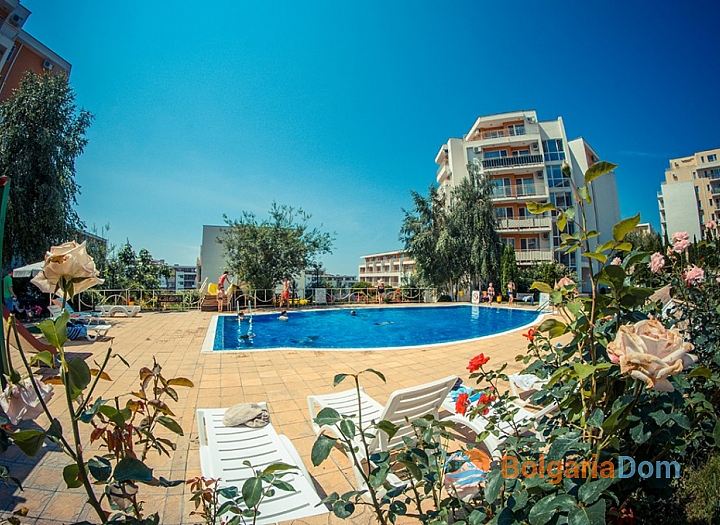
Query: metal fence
[(264, 298)]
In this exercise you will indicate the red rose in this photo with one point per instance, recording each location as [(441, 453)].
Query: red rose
[(461, 404), (476, 362), (530, 334)]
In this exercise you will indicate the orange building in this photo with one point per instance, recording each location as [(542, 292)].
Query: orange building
[(20, 52)]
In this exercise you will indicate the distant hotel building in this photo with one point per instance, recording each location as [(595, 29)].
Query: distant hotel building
[(388, 267), (522, 157), (20, 52), (690, 196)]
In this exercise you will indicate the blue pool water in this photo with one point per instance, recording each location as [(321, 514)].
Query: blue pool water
[(369, 328)]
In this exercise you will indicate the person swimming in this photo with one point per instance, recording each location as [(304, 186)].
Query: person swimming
[(352, 312), (283, 316)]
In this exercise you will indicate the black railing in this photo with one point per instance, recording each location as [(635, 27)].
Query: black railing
[(503, 162)]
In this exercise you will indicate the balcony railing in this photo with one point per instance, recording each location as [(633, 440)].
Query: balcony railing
[(508, 162), (498, 133), (522, 190), (443, 173), (531, 256), (525, 223)]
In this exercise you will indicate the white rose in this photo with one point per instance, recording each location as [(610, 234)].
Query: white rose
[(67, 267)]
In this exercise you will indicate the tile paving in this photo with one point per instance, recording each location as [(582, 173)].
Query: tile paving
[(281, 378)]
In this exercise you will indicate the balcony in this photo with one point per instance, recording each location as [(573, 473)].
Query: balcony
[(443, 173), (533, 256), (525, 224), (511, 162), (518, 191), (715, 190)]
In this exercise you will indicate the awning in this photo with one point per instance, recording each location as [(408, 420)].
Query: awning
[(29, 270)]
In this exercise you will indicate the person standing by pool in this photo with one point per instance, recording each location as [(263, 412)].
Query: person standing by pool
[(511, 292), (285, 295), (380, 291), (9, 297), (221, 290), (491, 293)]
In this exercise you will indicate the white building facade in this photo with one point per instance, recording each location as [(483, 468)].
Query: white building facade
[(389, 267), (523, 156), (689, 198)]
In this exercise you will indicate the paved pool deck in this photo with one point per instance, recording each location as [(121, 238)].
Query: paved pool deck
[(281, 378)]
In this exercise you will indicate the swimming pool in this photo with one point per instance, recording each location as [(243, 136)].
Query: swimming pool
[(369, 328)]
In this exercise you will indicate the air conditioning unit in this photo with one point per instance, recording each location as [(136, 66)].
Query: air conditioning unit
[(531, 120), (538, 174), (477, 150), (545, 236), (48, 65), (16, 20), (535, 146)]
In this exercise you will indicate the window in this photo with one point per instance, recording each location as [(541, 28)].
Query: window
[(509, 241), (561, 199), (516, 129), (504, 212), (530, 243), (712, 158), (553, 149), (525, 187), (521, 153), (555, 177), (674, 176), (494, 154)]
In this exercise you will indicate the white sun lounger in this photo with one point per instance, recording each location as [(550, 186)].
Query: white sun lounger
[(97, 330), (108, 310), (402, 408), (523, 419), (224, 449)]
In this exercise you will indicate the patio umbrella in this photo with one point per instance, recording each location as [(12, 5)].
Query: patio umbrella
[(29, 270)]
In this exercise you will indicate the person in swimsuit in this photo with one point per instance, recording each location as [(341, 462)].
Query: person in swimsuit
[(285, 295), (491, 293), (380, 291), (511, 292), (221, 290)]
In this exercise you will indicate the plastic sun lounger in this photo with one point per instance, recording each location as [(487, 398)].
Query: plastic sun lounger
[(524, 383), (87, 318), (402, 406), (94, 331), (523, 419), (224, 449), (108, 310)]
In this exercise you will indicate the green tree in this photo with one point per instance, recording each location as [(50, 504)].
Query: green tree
[(127, 269), (508, 267), (41, 135), (261, 253), (475, 225), (427, 239)]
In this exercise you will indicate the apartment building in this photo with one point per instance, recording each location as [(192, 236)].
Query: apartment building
[(522, 157), (389, 267), (689, 198), (20, 52)]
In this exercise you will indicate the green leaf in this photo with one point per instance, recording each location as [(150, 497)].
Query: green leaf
[(597, 256), (562, 445), (170, 424), (624, 247), (588, 515), (389, 428), (553, 327), (625, 226), (277, 467), (252, 491), (339, 378), (327, 417), (343, 509), (591, 490), (605, 246), (596, 419), (611, 421), (537, 208), (493, 485), (584, 371), (700, 371), (347, 428), (44, 357), (100, 468), (561, 221), (55, 331), (414, 470), (598, 169), (78, 377), (321, 449), (584, 194), (543, 510), (113, 414), (372, 371), (612, 275), (29, 441), (132, 469), (55, 429), (541, 287), (71, 475)]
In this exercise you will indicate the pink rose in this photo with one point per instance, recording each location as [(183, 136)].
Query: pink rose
[(711, 225), (617, 261), (657, 261), (694, 275), (679, 236), (681, 246)]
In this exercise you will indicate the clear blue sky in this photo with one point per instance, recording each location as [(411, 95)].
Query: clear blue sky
[(205, 108)]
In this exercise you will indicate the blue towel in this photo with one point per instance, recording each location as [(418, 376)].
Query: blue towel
[(76, 331), (462, 389)]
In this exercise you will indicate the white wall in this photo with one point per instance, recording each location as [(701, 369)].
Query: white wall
[(212, 254), (681, 209)]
